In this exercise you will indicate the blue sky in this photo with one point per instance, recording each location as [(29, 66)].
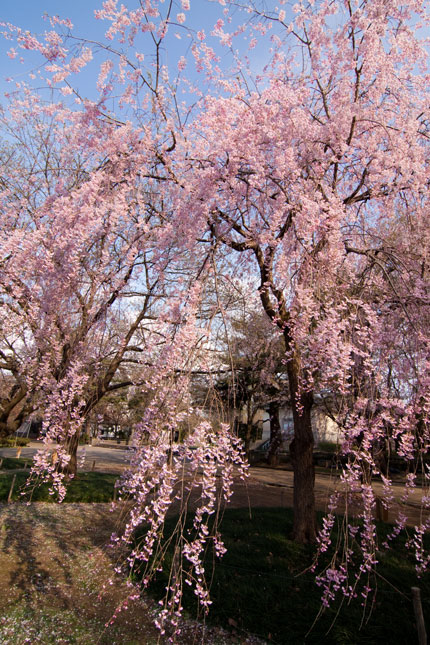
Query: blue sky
[(28, 14)]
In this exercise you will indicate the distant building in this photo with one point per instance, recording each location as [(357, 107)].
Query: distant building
[(324, 428)]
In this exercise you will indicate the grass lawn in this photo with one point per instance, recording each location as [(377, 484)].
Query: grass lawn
[(86, 487), (11, 463), (259, 587)]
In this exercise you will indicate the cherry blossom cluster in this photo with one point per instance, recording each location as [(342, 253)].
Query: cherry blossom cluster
[(191, 478)]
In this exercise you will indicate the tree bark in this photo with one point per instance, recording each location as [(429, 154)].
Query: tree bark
[(248, 431), (10, 422), (72, 444), (301, 450), (275, 434)]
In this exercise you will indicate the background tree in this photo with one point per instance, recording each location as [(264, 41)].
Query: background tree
[(88, 267), (255, 379)]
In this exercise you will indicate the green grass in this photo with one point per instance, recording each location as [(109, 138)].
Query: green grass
[(12, 463), (260, 587), (86, 487)]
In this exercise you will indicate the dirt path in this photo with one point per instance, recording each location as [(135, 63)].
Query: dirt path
[(274, 487), (53, 563), (54, 560)]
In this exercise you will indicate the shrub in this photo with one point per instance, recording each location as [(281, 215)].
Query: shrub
[(328, 446), (12, 442)]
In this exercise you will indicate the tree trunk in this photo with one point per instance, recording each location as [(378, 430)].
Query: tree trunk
[(275, 434), (72, 444), (301, 450), (10, 422), (248, 431)]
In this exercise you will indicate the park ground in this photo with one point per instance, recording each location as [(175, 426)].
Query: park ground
[(55, 559), (265, 486)]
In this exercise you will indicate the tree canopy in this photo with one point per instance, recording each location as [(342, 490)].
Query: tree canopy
[(303, 174)]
